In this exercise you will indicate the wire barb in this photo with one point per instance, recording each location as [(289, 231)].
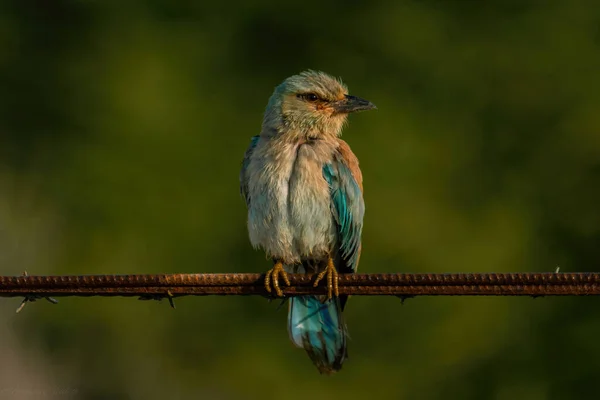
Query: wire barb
[(30, 298), (403, 298), (159, 297)]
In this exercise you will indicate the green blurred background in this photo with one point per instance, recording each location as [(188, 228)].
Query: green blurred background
[(122, 129)]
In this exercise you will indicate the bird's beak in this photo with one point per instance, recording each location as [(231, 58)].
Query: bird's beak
[(352, 104)]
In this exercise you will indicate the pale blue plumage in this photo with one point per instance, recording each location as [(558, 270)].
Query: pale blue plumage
[(303, 189), (245, 162), (348, 209)]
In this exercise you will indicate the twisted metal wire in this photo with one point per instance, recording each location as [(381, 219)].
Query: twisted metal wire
[(402, 285)]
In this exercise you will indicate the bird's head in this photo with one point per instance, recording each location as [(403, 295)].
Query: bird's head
[(311, 105)]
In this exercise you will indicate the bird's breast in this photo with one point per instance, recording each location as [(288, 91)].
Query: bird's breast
[(309, 203), (290, 212)]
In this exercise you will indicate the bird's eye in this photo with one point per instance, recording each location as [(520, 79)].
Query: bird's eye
[(309, 97)]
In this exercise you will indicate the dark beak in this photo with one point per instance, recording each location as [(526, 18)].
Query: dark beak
[(352, 104)]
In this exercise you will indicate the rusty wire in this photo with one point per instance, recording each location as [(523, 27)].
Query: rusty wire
[(158, 286)]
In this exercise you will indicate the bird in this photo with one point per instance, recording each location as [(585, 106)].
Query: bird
[(304, 194)]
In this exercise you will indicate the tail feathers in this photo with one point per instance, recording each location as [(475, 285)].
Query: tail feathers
[(319, 328)]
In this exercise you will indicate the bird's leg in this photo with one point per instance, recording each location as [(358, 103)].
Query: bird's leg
[(273, 276), (332, 279)]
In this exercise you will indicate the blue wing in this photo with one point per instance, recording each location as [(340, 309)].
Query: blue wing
[(245, 162), (348, 207)]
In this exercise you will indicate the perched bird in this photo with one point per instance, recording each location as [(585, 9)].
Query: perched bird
[(303, 189)]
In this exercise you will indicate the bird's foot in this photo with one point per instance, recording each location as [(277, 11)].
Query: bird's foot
[(332, 279), (272, 277)]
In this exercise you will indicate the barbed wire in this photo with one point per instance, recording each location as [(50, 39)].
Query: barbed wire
[(170, 286)]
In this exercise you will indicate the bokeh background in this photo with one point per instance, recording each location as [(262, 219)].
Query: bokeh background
[(122, 129)]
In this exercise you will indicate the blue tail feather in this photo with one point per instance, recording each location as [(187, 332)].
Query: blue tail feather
[(319, 328)]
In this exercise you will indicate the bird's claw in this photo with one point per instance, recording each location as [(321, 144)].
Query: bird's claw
[(272, 277), (332, 279)]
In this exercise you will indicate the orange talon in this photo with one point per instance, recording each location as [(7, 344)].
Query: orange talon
[(272, 277), (332, 279)]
